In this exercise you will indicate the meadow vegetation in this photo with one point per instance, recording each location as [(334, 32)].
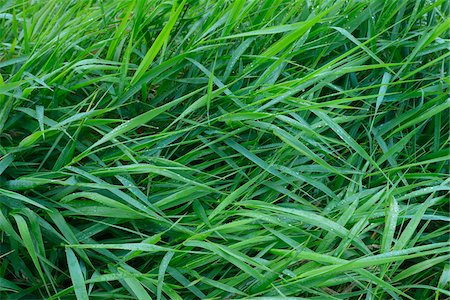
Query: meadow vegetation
[(224, 149)]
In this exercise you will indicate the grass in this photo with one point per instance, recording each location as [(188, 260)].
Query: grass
[(224, 149)]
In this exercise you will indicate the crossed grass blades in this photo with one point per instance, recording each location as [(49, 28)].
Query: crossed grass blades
[(224, 149)]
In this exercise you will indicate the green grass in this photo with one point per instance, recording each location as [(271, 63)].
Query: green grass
[(224, 149)]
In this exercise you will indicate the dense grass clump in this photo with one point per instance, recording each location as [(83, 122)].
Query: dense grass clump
[(224, 149)]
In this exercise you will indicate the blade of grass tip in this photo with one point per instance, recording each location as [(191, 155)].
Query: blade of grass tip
[(100, 199), (40, 118), (162, 270), (390, 225), (237, 53), (201, 213), (209, 91), (150, 240), (22, 198), (5, 162), (157, 44), (28, 243), (6, 226), (381, 94), (420, 267), (76, 275), (445, 277), (5, 103), (264, 31), (123, 246)]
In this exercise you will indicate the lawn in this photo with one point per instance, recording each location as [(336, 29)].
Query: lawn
[(226, 149)]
